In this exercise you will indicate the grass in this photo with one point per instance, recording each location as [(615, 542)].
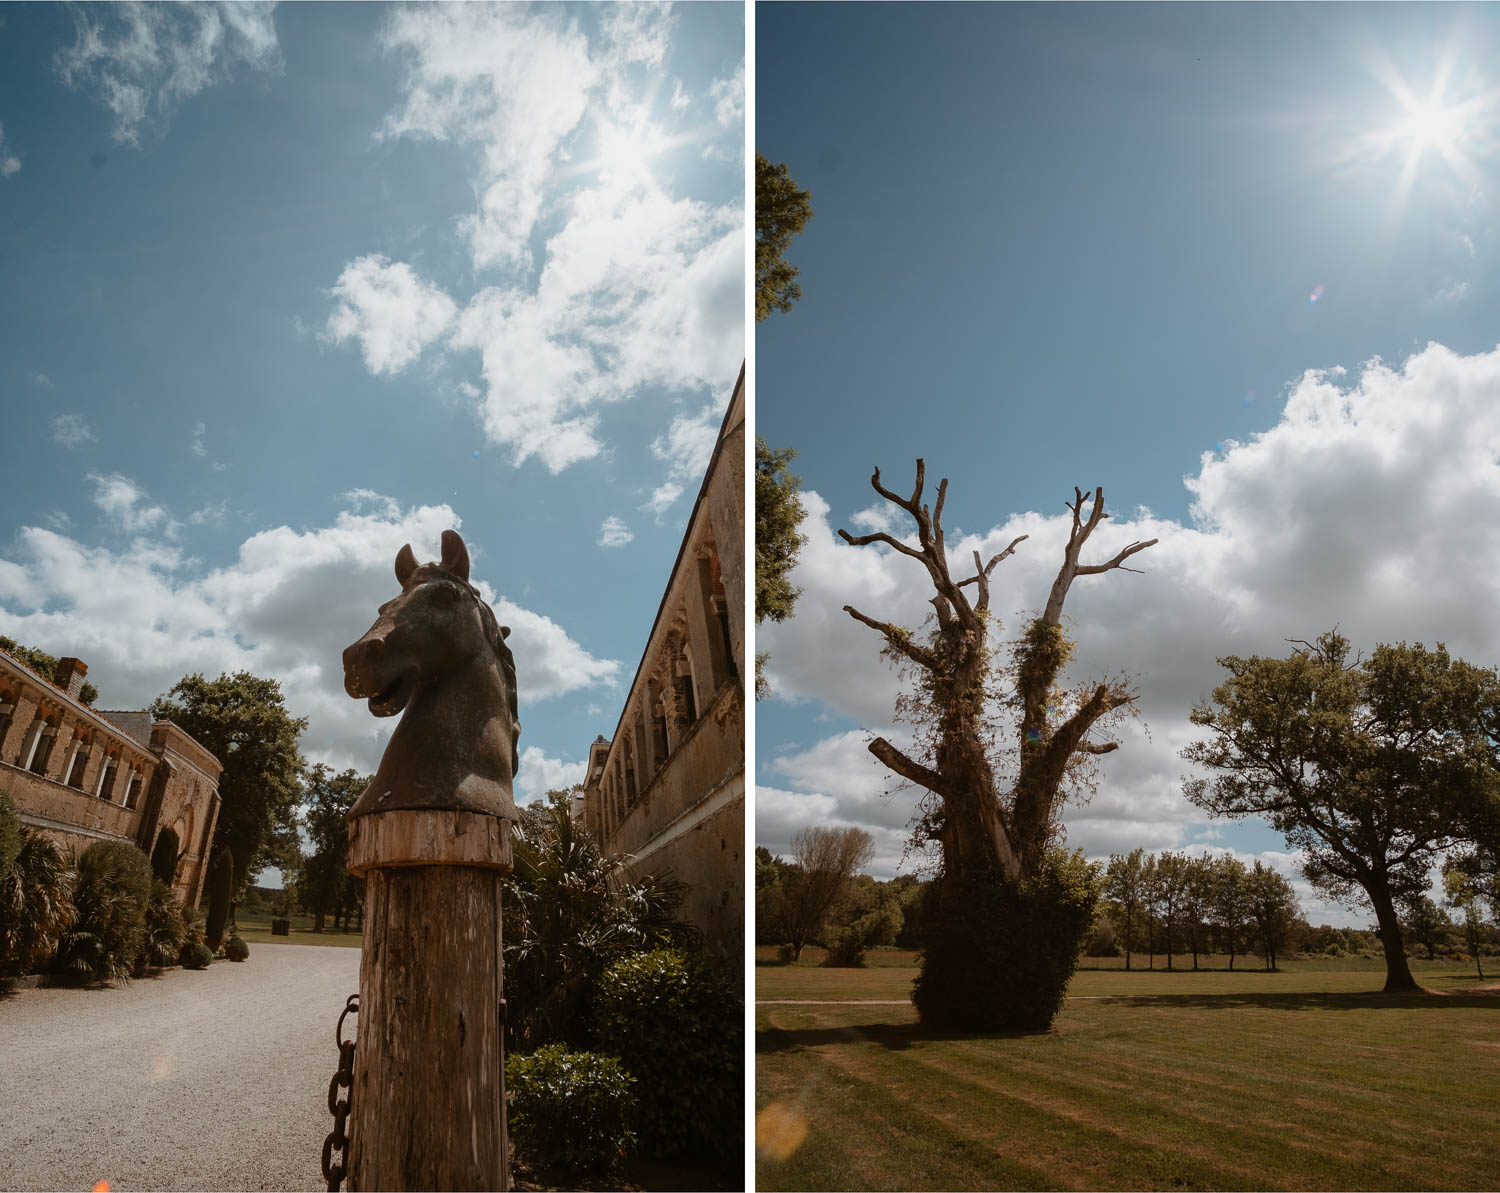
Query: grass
[(255, 928), (1303, 1079)]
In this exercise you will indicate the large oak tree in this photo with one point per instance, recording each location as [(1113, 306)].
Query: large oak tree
[(1372, 768)]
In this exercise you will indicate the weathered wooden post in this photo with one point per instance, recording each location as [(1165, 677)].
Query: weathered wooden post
[(431, 835)]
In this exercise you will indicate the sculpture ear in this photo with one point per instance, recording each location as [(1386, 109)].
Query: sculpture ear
[(455, 555), (504, 632), (406, 564)]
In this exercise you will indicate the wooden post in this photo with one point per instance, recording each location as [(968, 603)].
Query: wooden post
[(429, 1065)]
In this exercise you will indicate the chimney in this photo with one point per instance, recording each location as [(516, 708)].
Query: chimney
[(69, 676)]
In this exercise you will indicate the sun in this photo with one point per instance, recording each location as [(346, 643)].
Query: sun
[(1431, 124)]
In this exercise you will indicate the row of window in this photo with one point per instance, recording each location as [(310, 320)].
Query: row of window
[(36, 755)]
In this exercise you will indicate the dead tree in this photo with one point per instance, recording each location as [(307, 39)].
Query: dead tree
[(982, 828)]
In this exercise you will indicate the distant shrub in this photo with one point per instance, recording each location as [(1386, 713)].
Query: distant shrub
[(677, 1023), (110, 894), (35, 901), (236, 949), (195, 955), (783, 954), (569, 1111)]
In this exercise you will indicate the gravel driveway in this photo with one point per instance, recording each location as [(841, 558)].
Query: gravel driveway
[(208, 1080)]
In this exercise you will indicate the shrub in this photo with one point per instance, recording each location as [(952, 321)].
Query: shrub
[(194, 955), (35, 903), (166, 930), (678, 1024), (110, 894), (569, 1110), (236, 949), (998, 954)]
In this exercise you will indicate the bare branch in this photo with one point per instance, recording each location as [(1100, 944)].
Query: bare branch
[(1076, 539), (1094, 569), (908, 768), (897, 637), (985, 569), (1098, 747), (880, 536)]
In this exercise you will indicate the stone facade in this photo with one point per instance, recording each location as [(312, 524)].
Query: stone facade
[(669, 788), (85, 775)]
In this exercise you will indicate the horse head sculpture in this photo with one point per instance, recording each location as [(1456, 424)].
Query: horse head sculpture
[(437, 653)]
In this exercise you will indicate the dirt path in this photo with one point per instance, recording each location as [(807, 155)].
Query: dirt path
[(210, 1080)]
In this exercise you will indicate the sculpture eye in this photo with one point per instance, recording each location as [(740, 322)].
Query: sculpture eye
[(444, 595)]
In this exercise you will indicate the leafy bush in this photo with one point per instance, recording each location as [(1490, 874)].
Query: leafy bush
[(236, 949), (569, 1110), (110, 894), (678, 1024), (998, 954), (35, 903), (194, 955), (166, 930)]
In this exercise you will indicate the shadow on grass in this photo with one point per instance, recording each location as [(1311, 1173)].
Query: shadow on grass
[(896, 1037), (1430, 1000)]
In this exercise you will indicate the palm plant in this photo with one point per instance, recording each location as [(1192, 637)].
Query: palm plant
[(569, 913), (35, 909), (110, 893), (165, 929)]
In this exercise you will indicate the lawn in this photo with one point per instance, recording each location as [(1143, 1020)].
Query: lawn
[(1303, 1079), (255, 928)]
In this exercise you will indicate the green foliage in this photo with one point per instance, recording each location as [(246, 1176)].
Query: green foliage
[(236, 949), (569, 913), (325, 884), (778, 516), (10, 832), (243, 721), (677, 1022), (166, 929), (88, 693), (569, 1111), (781, 212), (998, 953), (35, 898), (110, 894), (867, 914), (37, 661), (195, 956), (220, 884)]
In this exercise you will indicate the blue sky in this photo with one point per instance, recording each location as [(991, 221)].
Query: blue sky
[(1234, 263), (283, 288)]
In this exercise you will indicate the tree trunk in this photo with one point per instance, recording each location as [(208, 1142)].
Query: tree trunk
[(1397, 971), (318, 922)]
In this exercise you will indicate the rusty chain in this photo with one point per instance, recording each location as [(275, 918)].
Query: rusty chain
[(338, 1138)]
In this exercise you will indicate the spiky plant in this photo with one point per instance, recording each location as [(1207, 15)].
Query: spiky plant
[(110, 893), (35, 904), (165, 927)]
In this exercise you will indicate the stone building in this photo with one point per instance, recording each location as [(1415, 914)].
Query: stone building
[(84, 775), (668, 789)]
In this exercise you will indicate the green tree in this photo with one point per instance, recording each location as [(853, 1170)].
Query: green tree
[(243, 721), (1426, 924), (1168, 887), (823, 862), (1196, 890), (993, 835), (781, 212), (1466, 889), (866, 914), (1123, 887), (778, 514), (1228, 903), (1273, 910), (1370, 768), (326, 800)]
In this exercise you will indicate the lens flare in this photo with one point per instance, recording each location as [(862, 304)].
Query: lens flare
[(779, 1131), (1316, 296)]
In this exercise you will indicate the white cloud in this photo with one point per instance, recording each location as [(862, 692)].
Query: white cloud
[(391, 311), (1374, 504), (71, 430), (212, 514), (729, 98), (614, 533), (144, 59), (286, 608), (634, 286), (123, 502), (200, 429), (540, 774), (662, 498), (43, 380), (9, 162), (1454, 293), (686, 446)]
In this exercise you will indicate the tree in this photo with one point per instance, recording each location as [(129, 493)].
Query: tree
[(866, 914), (1196, 888), (1426, 924), (1123, 887), (823, 861), (1273, 910), (1370, 768), (778, 514), (325, 881), (995, 844), (1228, 903), (1465, 888), (1168, 888), (242, 720), (781, 212)]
